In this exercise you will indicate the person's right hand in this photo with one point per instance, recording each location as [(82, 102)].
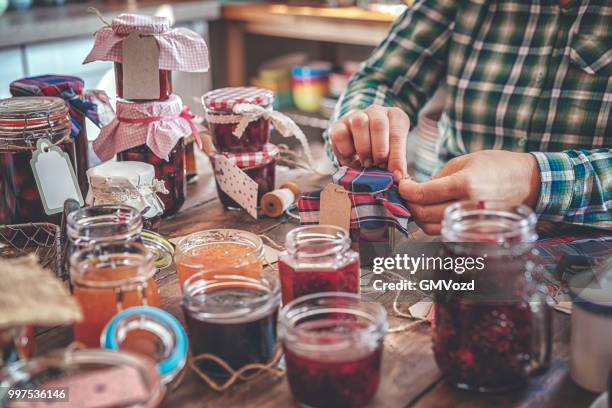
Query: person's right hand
[(374, 136)]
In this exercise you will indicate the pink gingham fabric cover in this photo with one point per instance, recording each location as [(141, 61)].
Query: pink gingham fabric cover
[(268, 154), (161, 129), (224, 99), (180, 49)]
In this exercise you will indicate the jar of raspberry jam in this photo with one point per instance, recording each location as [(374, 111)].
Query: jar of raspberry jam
[(259, 166), (333, 345), (493, 337), (171, 172), (23, 121), (318, 258), (231, 317), (223, 118)]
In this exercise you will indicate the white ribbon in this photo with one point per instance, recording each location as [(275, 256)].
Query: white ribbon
[(245, 113)]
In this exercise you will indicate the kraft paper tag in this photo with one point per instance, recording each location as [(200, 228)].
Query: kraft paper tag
[(335, 207), (55, 177), (140, 67), (237, 184)]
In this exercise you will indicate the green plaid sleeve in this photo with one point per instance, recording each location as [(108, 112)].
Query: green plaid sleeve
[(576, 186), (407, 67)]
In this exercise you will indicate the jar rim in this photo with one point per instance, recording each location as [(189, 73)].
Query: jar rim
[(84, 224), (222, 235), (306, 307), (145, 269), (519, 222), (195, 301), (321, 239)]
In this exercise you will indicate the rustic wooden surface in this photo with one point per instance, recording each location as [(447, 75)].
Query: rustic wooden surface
[(410, 375)]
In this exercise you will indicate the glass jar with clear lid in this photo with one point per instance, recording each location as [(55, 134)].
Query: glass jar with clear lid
[(493, 337), (23, 122)]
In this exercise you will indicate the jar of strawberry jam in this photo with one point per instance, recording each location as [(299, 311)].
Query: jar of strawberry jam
[(333, 344), (318, 258), (24, 121), (231, 317), (106, 279), (493, 337), (234, 125)]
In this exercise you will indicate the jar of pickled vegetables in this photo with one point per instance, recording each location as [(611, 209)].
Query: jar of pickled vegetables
[(318, 258), (108, 278), (333, 345), (493, 337), (232, 130), (24, 121)]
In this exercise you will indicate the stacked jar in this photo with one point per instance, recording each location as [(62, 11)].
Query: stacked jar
[(241, 132), (151, 124)]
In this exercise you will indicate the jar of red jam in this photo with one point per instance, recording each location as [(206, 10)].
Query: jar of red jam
[(493, 337), (24, 121), (318, 258), (232, 130), (231, 317), (259, 166), (333, 344)]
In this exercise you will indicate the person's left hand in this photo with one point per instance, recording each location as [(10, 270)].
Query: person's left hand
[(484, 175)]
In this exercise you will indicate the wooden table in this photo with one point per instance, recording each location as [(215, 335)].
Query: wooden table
[(346, 25), (410, 375)]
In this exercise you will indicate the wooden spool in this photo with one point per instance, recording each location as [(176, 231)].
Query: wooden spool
[(274, 203)]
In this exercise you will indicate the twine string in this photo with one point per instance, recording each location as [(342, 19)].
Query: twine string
[(95, 11)]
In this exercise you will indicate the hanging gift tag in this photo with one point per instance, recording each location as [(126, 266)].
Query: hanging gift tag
[(335, 207), (237, 184), (140, 67), (54, 176)]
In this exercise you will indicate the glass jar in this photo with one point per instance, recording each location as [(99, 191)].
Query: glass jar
[(171, 172), (222, 121), (231, 317), (493, 337), (23, 121), (16, 344), (191, 168), (374, 243), (318, 258), (107, 278), (130, 183), (152, 332), (117, 379), (229, 251), (165, 83), (333, 344)]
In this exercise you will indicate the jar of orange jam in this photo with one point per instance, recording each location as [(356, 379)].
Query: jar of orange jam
[(229, 251), (107, 278)]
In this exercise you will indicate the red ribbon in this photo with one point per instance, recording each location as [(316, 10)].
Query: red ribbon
[(185, 114)]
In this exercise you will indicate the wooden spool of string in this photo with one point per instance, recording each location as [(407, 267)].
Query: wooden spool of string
[(274, 203)]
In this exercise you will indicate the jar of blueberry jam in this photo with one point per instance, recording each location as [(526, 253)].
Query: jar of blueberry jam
[(333, 344), (231, 317), (492, 338), (24, 121), (318, 258), (225, 119)]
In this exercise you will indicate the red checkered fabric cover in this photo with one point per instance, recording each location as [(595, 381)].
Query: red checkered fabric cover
[(268, 154), (224, 99)]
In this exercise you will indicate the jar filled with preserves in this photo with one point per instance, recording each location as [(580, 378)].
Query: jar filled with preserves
[(152, 132), (173, 45), (70, 89), (130, 183), (493, 337), (318, 258), (229, 118), (108, 278), (23, 122), (259, 166)]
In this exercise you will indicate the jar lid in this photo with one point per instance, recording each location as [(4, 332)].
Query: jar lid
[(160, 247), (154, 332), (120, 173), (268, 154), (226, 98), (126, 23), (54, 84), (32, 113), (592, 290)]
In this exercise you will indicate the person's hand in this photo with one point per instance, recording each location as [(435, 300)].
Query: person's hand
[(374, 136), (485, 175)]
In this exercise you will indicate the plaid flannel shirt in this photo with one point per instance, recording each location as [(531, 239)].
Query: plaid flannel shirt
[(522, 75)]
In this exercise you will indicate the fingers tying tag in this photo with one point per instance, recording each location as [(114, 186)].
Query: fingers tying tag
[(54, 177), (335, 208), (140, 67), (237, 184)]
